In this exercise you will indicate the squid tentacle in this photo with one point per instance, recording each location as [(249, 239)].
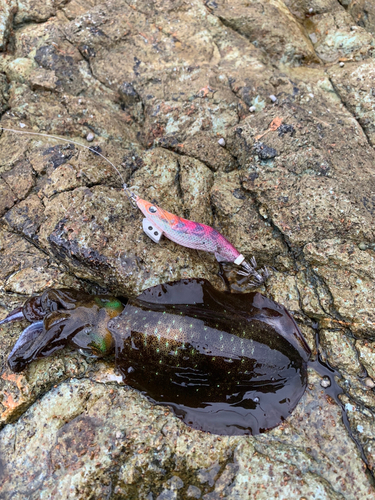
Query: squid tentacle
[(23, 344), (16, 315)]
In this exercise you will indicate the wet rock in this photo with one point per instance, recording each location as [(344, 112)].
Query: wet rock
[(362, 425), (128, 94), (26, 217), (6, 17), (350, 271), (237, 215), (4, 93), (76, 8), (7, 197), (196, 181), (43, 79), (79, 235), (62, 69), (25, 269), (16, 145), (330, 29), (32, 10), (303, 9), (264, 152), (87, 443), (318, 194), (335, 39), (366, 350), (354, 84), (255, 20), (20, 179), (193, 72), (284, 289), (203, 147), (363, 13), (63, 178), (340, 350), (197, 111), (18, 70), (58, 155), (306, 460), (193, 100)]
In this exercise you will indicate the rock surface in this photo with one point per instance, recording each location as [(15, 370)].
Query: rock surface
[(288, 87)]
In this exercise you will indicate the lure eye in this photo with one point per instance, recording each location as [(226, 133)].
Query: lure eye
[(152, 209)]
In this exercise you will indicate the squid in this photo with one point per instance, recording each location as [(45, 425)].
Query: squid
[(225, 363)]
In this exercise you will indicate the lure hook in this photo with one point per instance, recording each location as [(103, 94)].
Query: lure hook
[(250, 270)]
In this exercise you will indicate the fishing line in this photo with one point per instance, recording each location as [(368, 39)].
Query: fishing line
[(90, 148)]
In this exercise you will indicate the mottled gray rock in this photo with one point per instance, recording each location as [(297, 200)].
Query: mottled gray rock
[(333, 32), (157, 85), (151, 452), (32, 10), (268, 25), (303, 9), (354, 84), (349, 278), (7, 197), (20, 179), (9, 8), (363, 13), (4, 93)]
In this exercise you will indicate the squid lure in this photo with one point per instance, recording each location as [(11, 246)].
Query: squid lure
[(190, 234), (187, 233)]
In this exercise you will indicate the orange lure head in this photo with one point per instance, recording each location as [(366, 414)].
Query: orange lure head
[(159, 217)]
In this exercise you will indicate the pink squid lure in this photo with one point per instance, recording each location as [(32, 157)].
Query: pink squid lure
[(195, 235)]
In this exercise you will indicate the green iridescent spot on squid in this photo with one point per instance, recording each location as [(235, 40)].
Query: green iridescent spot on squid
[(100, 345), (109, 303)]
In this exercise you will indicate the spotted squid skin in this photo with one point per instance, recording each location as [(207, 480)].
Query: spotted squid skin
[(188, 233), (225, 363)]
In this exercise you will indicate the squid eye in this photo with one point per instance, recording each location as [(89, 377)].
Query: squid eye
[(152, 209)]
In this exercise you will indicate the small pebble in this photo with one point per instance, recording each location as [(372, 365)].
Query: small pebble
[(311, 10), (313, 37), (325, 382), (252, 109), (273, 98), (369, 383), (342, 64), (90, 137), (22, 125), (221, 142), (175, 482), (362, 246), (193, 492)]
